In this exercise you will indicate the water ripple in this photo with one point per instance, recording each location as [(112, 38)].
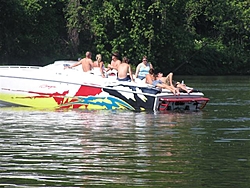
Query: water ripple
[(126, 149)]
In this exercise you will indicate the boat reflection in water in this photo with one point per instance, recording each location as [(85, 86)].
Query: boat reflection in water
[(101, 147), (125, 148)]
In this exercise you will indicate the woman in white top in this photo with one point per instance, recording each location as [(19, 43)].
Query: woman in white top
[(143, 68), (98, 66)]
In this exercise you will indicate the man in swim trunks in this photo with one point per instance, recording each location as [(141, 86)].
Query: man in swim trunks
[(123, 69)]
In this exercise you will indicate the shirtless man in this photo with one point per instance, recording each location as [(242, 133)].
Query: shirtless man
[(123, 70), (87, 63), (115, 62)]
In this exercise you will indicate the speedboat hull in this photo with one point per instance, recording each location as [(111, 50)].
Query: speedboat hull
[(53, 87)]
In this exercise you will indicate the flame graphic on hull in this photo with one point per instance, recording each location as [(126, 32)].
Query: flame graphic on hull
[(102, 102), (85, 97)]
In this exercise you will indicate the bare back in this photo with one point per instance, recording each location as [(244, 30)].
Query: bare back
[(149, 79), (87, 64), (123, 69)]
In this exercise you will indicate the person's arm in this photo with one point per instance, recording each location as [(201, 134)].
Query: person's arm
[(117, 63), (130, 73), (110, 67), (151, 66), (74, 65), (91, 63), (137, 70), (101, 69)]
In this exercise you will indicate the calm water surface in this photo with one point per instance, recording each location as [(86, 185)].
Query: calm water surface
[(127, 149)]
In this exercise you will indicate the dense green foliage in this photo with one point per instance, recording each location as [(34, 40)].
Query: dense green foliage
[(203, 36)]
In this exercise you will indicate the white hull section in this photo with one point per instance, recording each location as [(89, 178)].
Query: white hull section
[(53, 87)]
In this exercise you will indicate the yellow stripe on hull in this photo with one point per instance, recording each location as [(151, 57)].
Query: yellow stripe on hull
[(50, 103), (22, 100)]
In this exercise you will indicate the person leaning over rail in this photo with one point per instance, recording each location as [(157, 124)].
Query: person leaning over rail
[(123, 70), (87, 63), (143, 68), (152, 79)]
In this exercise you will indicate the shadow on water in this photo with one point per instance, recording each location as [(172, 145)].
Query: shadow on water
[(127, 149)]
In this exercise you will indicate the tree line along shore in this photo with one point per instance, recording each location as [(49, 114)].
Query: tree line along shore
[(188, 37)]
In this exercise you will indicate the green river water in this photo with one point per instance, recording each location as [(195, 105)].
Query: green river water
[(210, 148)]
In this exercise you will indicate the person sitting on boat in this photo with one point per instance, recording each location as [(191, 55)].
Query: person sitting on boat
[(114, 64), (169, 81), (142, 68), (87, 63), (152, 79), (98, 66), (123, 70)]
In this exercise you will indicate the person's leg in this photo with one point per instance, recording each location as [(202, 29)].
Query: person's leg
[(165, 86), (183, 87), (177, 91), (169, 79)]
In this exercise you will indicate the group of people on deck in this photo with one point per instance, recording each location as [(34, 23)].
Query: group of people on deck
[(122, 69)]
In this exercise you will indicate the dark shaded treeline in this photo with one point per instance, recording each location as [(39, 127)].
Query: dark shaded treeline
[(199, 37)]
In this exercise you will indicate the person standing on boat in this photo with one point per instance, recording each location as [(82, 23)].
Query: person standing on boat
[(123, 70), (114, 64), (87, 63), (98, 66), (142, 68)]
